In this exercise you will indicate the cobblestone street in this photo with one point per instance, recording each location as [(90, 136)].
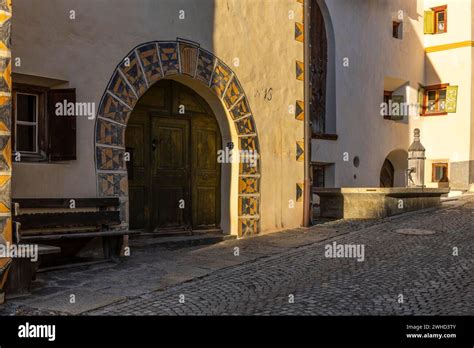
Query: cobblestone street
[(285, 273), (420, 269)]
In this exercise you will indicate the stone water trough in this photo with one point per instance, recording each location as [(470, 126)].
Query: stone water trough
[(374, 203)]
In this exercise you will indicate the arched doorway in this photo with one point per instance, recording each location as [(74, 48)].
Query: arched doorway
[(387, 174), (173, 137), (394, 169), (185, 61)]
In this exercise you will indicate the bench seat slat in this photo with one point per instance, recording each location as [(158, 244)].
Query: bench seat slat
[(77, 235), (48, 249), (58, 220)]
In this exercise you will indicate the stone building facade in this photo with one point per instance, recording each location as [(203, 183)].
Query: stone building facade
[(419, 52), (252, 87)]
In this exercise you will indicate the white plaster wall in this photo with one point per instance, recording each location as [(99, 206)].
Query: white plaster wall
[(449, 138), (459, 22), (86, 50), (363, 34)]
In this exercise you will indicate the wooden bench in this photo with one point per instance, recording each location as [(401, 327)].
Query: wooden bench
[(61, 227), (66, 223)]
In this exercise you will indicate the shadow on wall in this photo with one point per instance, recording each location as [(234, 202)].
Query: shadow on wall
[(431, 75)]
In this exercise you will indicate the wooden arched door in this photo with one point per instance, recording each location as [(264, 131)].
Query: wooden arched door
[(174, 177)]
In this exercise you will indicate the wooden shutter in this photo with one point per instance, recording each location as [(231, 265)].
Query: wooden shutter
[(429, 22), (451, 98), (61, 129), (421, 99)]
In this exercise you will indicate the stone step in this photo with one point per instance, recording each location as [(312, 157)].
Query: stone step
[(178, 241)]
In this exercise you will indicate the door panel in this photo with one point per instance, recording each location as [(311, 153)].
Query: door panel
[(170, 176), (206, 141), (138, 207), (205, 202), (138, 167), (168, 213)]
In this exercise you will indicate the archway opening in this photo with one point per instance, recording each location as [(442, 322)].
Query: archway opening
[(394, 169), (174, 178), (387, 174), (185, 62)]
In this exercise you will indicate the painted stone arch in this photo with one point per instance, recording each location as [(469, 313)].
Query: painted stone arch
[(134, 75)]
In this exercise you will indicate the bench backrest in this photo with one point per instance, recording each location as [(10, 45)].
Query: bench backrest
[(99, 218), (39, 203)]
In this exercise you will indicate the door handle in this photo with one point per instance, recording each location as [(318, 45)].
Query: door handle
[(153, 144)]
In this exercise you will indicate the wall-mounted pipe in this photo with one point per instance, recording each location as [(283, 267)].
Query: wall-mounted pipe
[(307, 125)]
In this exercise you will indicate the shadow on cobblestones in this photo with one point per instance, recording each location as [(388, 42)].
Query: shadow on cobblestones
[(401, 275), (288, 273)]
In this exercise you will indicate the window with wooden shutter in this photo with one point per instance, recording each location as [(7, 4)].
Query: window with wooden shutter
[(395, 106), (439, 100), (28, 126), (436, 20), (62, 128)]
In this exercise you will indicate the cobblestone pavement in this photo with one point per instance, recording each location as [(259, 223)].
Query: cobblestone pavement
[(152, 266), (421, 270)]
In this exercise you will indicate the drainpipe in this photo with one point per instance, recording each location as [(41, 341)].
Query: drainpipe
[(307, 126)]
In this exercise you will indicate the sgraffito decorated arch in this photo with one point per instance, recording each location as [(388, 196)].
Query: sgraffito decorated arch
[(136, 73), (5, 138)]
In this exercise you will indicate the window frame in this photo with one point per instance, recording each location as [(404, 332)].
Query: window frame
[(387, 96), (34, 124), (436, 11), (41, 121), (397, 30), (321, 168), (432, 88), (445, 167)]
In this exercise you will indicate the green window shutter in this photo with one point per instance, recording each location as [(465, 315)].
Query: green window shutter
[(429, 22), (451, 98), (398, 99), (421, 99)]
